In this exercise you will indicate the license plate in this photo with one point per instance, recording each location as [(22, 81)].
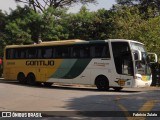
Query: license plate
[(121, 82)]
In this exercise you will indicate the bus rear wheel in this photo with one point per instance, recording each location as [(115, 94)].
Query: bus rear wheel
[(31, 79), (21, 78), (102, 83)]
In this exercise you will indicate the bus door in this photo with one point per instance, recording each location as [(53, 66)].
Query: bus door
[(123, 62)]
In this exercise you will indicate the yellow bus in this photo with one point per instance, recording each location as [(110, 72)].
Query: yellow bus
[(113, 63)]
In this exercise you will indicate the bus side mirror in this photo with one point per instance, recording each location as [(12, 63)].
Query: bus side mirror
[(153, 57), (137, 55)]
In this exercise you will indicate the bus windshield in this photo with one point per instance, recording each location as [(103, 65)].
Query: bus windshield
[(142, 67)]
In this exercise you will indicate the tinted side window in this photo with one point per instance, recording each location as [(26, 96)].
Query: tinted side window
[(31, 53), (80, 51), (9, 53), (100, 51), (62, 52), (85, 51), (75, 52), (19, 53), (46, 52)]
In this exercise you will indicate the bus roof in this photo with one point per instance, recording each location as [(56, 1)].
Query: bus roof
[(124, 40), (48, 43), (69, 42)]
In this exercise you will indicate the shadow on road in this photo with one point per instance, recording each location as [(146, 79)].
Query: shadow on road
[(112, 107), (98, 107), (68, 87), (116, 106)]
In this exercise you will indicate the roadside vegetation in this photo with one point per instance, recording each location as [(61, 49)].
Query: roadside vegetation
[(128, 19)]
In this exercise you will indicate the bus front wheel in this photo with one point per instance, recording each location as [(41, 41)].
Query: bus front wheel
[(21, 78), (31, 79), (102, 83)]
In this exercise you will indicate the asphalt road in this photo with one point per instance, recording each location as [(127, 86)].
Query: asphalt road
[(78, 102)]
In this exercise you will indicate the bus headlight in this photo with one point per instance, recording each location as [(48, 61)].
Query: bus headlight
[(138, 77)]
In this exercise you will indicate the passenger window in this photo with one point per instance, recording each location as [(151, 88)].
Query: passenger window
[(9, 53), (75, 53), (39, 53), (100, 51), (47, 53), (31, 53), (105, 51), (23, 53), (19, 53), (80, 51), (62, 52), (84, 52)]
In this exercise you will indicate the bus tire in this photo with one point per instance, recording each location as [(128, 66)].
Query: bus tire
[(102, 83), (31, 79), (47, 84), (21, 78), (117, 88)]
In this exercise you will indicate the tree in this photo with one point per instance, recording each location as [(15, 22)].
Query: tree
[(42, 5), (103, 25), (26, 26), (79, 24), (2, 31), (89, 25), (17, 26), (126, 21), (2, 27), (148, 8), (149, 33), (125, 2), (129, 24), (53, 25)]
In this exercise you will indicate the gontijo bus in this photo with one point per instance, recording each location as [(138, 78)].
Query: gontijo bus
[(107, 64)]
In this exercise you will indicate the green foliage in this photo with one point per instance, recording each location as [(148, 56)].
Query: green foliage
[(52, 25), (130, 24), (79, 25), (149, 34), (17, 27), (2, 32), (102, 23), (125, 2), (89, 25), (147, 8), (26, 26), (129, 19)]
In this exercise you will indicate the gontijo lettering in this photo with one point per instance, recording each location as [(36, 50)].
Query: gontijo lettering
[(40, 63)]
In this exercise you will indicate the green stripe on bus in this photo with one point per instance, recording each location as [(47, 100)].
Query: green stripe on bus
[(77, 68), (64, 68)]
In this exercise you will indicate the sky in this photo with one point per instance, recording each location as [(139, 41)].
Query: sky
[(107, 4)]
